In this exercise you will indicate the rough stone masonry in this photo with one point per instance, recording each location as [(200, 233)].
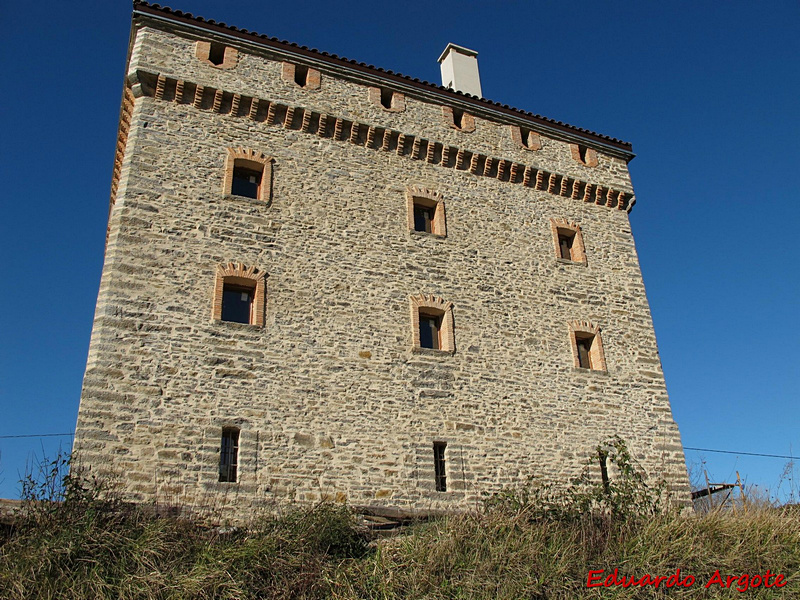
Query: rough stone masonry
[(527, 277)]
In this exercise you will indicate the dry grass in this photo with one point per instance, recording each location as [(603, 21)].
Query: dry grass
[(530, 544)]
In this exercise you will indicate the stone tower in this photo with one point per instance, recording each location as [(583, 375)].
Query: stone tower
[(327, 280)]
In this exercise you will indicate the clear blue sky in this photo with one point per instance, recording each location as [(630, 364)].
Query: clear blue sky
[(707, 92)]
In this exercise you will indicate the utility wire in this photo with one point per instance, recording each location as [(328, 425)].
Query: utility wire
[(743, 453), (33, 435)]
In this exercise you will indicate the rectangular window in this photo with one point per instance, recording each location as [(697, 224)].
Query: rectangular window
[(246, 182), (584, 352), (604, 469), (439, 466), (237, 303), (429, 331), (229, 454), (423, 218), (565, 245)]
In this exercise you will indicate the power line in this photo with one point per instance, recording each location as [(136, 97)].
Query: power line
[(744, 453), (34, 435)]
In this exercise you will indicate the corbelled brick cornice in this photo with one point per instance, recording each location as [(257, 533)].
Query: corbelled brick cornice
[(376, 137)]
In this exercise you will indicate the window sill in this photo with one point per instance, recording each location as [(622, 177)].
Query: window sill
[(237, 324), (245, 199), (425, 234), (584, 370), (565, 261), (431, 351)]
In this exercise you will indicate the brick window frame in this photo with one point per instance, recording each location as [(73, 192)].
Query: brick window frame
[(525, 138), (239, 275), (397, 104), (433, 306), (431, 199), (202, 51), (584, 155), (571, 229), (585, 330), (253, 160), (313, 77), (449, 119)]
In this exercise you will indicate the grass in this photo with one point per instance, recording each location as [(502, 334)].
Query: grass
[(529, 543)]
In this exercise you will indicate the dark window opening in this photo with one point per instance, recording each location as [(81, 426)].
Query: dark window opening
[(439, 466), (300, 75), (565, 245), (582, 153), (604, 469), (584, 352), (237, 303), (458, 118), (423, 218), (430, 331), (229, 454), (216, 55), (525, 135), (386, 98), (246, 182)]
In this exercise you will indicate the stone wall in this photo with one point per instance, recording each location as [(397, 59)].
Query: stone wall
[(331, 397)]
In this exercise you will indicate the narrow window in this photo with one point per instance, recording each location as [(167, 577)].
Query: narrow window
[(216, 54), (423, 218), (439, 466), (229, 454), (246, 182), (430, 328), (582, 153), (458, 118), (301, 75), (386, 98), (237, 303), (565, 245), (584, 345), (603, 456)]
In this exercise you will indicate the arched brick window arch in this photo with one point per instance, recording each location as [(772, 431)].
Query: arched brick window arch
[(248, 173), (425, 209), (587, 346), (568, 240), (432, 323), (239, 293)]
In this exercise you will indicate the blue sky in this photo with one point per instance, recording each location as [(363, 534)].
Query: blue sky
[(707, 92)]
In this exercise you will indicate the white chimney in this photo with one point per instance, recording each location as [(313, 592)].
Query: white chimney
[(460, 70)]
